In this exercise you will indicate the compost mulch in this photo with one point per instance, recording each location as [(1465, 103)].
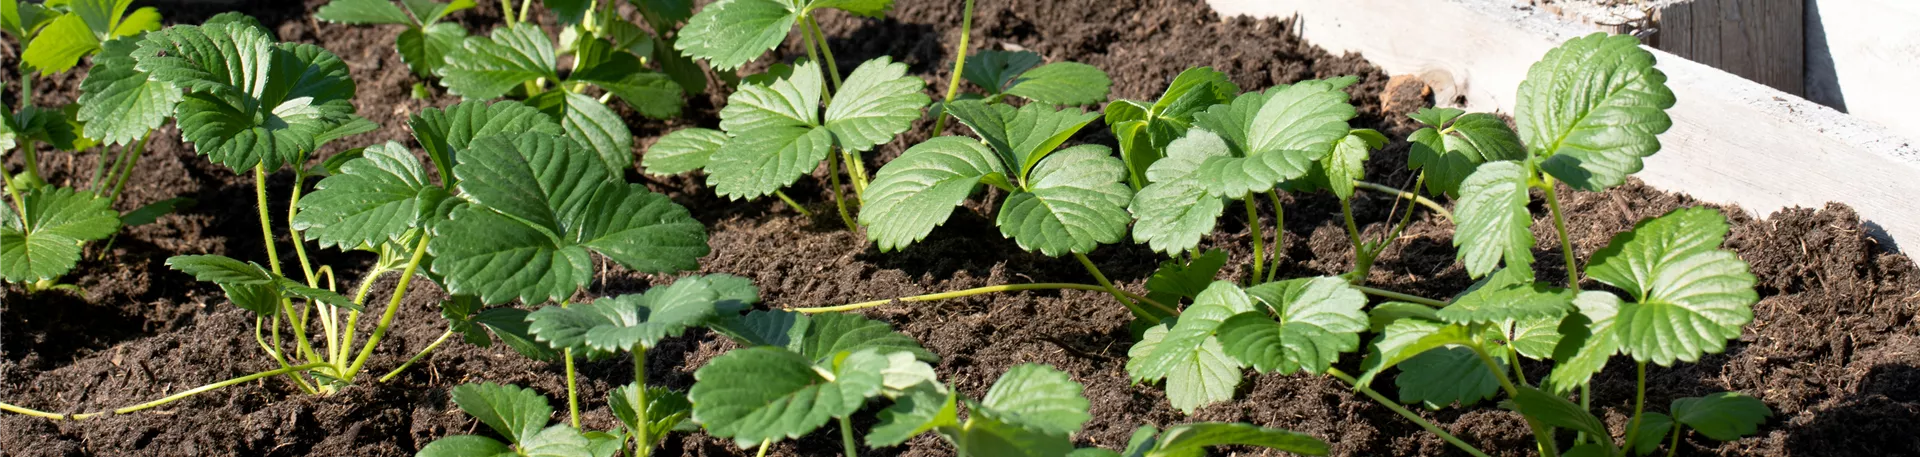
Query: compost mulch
[(1834, 347)]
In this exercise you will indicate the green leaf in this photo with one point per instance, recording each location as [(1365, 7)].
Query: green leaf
[(429, 11), (1039, 397), (1191, 440), (557, 441), (1318, 319), (987, 434), (425, 50), (762, 393), (870, 8), (1076, 201), (918, 191), (682, 151), (362, 12), (1436, 117), (485, 68), (729, 33), (1588, 339), (60, 45), (829, 335), (58, 221), (542, 203), (592, 124), (1509, 294), (1690, 296), (994, 71), (1593, 108), (250, 102), (1175, 210), (1405, 338), (515, 412), (1493, 221), (1446, 154), (1385, 314), (1023, 136), (920, 410), (1306, 116), (567, 12), (152, 211), (649, 93), (1175, 280), (220, 269), (510, 324), (666, 410), (293, 289), (875, 103), (1445, 376), (466, 446), (775, 135), (1553, 410), (631, 322), (1724, 416), (445, 132), (1654, 429), (375, 199), (1537, 337), (1062, 83), (1348, 160), (1587, 450), (1186, 354), (118, 102), (670, 11), (22, 19)]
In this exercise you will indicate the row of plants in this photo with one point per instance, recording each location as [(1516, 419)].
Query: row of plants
[(530, 192)]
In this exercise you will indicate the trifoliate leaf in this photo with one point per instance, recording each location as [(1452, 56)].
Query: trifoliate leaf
[(775, 135), (1186, 354), (425, 50), (875, 103), (58, 221), (373, 200), (515, 412), (250, 102), (1175, 280), (541, 204), (362, 12), (1238, 176), (918, 191), (829, 335), (1406, 338), (1493, 221), (761, 393), (1191, 440), (649, 93), (1445, 376), (682, 151), (631, 322), (918, 411), (1076, 201), (1436, 117), (1653, 431), (1508, 294), (1175, 210), (994, 71), (1724, 416), (118, 102), (1588, 339), (1558, 412), (729, 33), (1348, 161), (1593, 107), (443, 132), (485, 68), (1317, 320), (1690, 296), (592, 124), (1062, 83), (1447, 156), (1039, 397), (1306, 116), (666, 410), (466, 446), (1024, 135)]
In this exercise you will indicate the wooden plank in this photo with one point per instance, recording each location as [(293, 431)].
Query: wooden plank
[(1733, 141), (1763, 40)]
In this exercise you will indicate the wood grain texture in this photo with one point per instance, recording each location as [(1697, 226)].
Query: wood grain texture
[(1762, 40)]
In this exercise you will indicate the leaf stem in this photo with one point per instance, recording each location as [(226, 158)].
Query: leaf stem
[(506, 11), (266, 221), (393, 306), (792, 204), (820, 39), (19, 203), (1279, 234), (1542, 436), (840, 201), (959, 64), (1566, 244), (1122, 297), (352, 329), (1405, 220), (416, 357), (1391, 295), (31, 412), (573, 388), (764, 444), (806, 37), (1423, 201), (1403, 412), (1673, 447), (1259, 237), (1639, 401), (1362, 256), (139, 149), (854, 175), (274, 351), (968, 293), (208, 387), (846, 437), (641, 446)]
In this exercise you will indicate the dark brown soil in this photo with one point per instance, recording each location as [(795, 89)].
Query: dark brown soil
[(1834, 347)]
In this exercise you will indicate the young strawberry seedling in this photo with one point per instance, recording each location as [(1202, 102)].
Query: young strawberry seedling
[(427, 41)]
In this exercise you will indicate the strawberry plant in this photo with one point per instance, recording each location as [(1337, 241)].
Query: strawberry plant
[(427, 41), (1002, 74), (772, 134), (1144, 129)]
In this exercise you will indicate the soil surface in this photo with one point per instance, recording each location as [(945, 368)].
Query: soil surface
[(1834, 347)]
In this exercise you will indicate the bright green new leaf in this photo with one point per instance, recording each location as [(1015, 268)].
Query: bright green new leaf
[(877, 101), (918, 411), (542, 203), (761, 393), (1593, 108), (220, 269), (60, 45), (1445, 376), (1690, 296), (631, 322), (1075, 201), (1175, 210), (777, 134), (1191, 440), (515, 412), (592, 124), (1306, 116), (918, 191), (667, 411), (486, 68), (1385, 314), (1024, 135), (1186, 354), (1508, 294), (1653, 431), (1039, 397), (1724, 416), (58, 221), (249, 101), (1447, 154), (1348, 160), (362, 12), (425, 50), (1304, 325), (1144, 130), (558, 440), (682, 151), (1493, 221), (1062, 83), (729, 33), (1588, 339), (119, 103), (375, 199), (444, 132)]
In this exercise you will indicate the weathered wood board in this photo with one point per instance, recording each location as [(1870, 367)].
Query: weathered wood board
[(1762, 40)]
